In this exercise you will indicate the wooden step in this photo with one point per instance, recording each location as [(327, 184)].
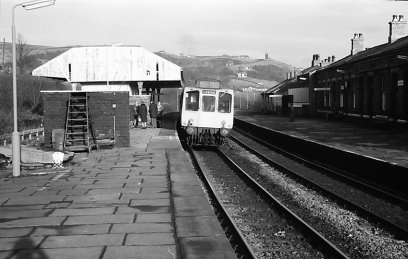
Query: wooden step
[(77, 148)]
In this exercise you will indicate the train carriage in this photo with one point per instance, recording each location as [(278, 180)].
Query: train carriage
[(207, 113)]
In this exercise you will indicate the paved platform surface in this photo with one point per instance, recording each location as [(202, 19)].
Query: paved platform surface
[(387, 144), (144, 201)]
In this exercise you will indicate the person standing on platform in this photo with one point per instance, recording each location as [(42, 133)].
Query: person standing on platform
[(142, 111), (132, 113), (159, 114), (153, 113), (135, 115)]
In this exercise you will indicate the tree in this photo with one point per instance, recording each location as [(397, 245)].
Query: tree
[(24, 56)]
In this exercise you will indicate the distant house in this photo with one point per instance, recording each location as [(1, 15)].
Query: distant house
[(243, 56), (229, 63), (241, 73)]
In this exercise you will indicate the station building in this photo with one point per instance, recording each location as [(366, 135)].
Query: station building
[(370, 83), (111, 78)]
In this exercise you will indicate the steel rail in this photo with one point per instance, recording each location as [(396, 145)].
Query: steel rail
[(329, 249), (245, 248), (399, 231)]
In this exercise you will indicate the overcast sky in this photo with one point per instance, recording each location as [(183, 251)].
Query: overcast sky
[(290, 31)]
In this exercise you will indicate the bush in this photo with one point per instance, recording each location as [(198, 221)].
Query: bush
[(29, 101)]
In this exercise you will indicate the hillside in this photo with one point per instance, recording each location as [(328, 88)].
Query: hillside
[(260, 73), (40, 54)]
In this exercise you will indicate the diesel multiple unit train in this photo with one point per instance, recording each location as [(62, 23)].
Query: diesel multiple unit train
[(207, 113)]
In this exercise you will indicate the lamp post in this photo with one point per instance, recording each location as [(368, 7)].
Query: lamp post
[(16, 136)]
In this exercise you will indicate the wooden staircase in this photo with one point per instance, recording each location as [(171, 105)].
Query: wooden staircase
[(78, 126)]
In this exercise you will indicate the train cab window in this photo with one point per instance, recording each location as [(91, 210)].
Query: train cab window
[(208, 103), (224, 102), (192, 98)]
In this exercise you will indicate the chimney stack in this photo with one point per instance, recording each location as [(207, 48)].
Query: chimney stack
[(357, 43), (397, 28), (315, 60), (333, 58)]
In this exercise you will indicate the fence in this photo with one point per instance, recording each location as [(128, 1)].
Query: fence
[(25, 135), (248, 101)]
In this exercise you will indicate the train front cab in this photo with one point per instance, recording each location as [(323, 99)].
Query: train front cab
[(207, 115)]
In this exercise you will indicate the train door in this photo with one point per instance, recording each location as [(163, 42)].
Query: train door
[(208, 102)]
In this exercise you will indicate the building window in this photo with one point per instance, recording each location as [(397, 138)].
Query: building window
[(383, 94), (327, 96), (354, 95), (342, 87)]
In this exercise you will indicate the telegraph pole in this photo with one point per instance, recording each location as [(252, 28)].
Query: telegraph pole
[(4, 43)]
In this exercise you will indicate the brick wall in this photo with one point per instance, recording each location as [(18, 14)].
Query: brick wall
[(102, 112), (104, 115), (55, 113)]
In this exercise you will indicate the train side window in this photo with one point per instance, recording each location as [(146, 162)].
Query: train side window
[(224, 102), (208, 103), (192, 98)]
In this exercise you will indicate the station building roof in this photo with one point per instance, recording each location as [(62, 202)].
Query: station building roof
[(120, 64), (396, 47)]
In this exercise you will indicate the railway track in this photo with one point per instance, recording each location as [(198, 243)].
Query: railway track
[(368, 169), (386, 209), (340, 174), (268, 228)]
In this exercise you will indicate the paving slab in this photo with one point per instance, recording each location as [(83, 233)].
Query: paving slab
[(62, 253), (141, 252), (15, 232), (154, 218), (150, 202), (7, 214), (205, 247), (187, 190), (143, 210), (142, 228), (150, 239), (72, 230), (82, 212), (198, 226), (82, 220), (15, 243), (192, 206), (83, 240), (32, 222)]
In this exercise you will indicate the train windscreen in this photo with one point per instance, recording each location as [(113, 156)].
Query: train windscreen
[(224, 102), (192, 98), (208, 103)]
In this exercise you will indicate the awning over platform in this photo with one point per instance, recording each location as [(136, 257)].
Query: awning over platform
[(108, 64)]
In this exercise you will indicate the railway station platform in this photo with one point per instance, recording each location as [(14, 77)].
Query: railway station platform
[(144, 201), (379, 141)]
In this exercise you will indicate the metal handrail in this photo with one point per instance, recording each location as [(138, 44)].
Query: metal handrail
[(30, 132)]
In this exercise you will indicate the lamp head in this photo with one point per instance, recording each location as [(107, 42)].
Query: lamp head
[(37, 4)]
